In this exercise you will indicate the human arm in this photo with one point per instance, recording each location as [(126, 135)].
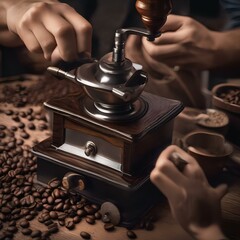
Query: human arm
[(193, 202), (189, 44), (47, 27)]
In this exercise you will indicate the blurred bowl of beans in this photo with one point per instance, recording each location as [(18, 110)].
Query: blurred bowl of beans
[(211, 150), (226, 97)]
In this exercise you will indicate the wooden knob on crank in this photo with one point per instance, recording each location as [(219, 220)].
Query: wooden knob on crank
[(154, 13)]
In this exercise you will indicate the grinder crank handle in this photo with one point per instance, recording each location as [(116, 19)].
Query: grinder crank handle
[(154, 13), (122, 91)]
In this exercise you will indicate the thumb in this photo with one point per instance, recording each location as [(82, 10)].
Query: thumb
[(221, 190)]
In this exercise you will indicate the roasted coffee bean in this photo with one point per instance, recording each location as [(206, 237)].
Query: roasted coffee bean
[(71, 213), (90, 220), (81, 213), (36, 233), (19, 142), (15, 118), (24, 135), (70, 225), (109, 226), (46, 217), (29, 217), (12, 229), (66, 206), (89, 209), (149, 225), (26, 231), (30, 118), (85, 235), (48, 222), (9, 112), (53, 228), (24, 223), (45, 234), (8, 235), (53, 215), (54, 183), (29, 111), (40, 219), (22, 114), (50, 207), (31, 126), (62, 216), (76, 219), (21, 125), (2, 134), (98, 215), (5, 210), (2, 127), (25, 212), (12, 223), (50, 200), (131, 234), (61, 222), (59, 207)]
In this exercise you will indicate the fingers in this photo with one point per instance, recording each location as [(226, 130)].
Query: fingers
[(221, 190), (55, 27), (192, 170), (173, 23), (165, 184), (84, 44), (45, 39), (166, 176)]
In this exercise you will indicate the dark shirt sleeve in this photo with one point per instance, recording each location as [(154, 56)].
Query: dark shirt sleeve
[(232, 8)]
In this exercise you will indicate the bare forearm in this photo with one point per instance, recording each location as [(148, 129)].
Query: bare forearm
[(7, 38), (227, 51)]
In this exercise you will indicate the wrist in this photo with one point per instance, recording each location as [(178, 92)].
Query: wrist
[(225, 49), (212, 232)]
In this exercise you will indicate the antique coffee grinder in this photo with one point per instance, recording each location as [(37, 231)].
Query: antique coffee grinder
[(105, 140)]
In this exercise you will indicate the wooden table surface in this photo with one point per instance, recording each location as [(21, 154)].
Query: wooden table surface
[(165, 228)]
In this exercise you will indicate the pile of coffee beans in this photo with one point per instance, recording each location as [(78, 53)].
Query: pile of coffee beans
[(216, 119), (231, 96), (44, 88), (22, 200)]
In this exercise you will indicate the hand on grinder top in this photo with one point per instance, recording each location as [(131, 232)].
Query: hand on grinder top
[(48, 27), (193, 202)]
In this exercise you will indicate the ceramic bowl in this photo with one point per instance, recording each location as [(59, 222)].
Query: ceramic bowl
[(220, 100), (232, 109), (209, 149)]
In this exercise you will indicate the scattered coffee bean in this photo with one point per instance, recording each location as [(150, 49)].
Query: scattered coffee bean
[(21, 125), (36, 233), (90, 220), (48, 222), (24, 135), (85, 235), (15, 118), (109, 226), (9, 112), (31, 126), (61, 222), (76, 219), (131, 234), (26, 231), (53, 215), (24, 223), (70, 225), (2, 127)]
